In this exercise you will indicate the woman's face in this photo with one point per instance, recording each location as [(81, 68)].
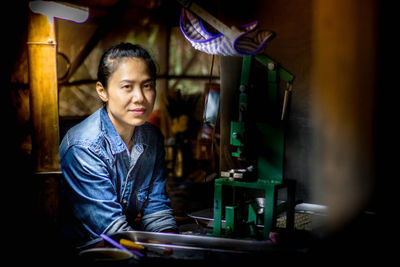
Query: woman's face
[(130, 94)]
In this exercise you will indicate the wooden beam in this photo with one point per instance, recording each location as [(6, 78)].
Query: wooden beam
[(186, 68), (162, 76)]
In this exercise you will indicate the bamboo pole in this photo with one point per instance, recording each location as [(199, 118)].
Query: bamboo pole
[(43, 92)]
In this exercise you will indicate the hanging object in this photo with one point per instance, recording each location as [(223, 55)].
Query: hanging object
[(244, 40), (211, 108)]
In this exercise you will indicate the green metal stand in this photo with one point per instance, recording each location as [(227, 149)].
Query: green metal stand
[(235, 221), (269, 165)]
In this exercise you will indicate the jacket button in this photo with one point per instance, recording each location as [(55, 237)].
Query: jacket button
[(124, 201)]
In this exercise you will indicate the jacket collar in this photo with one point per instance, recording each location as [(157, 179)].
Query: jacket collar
[(116, 142)]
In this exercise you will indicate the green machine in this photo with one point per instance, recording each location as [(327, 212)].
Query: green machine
[(244, 217)]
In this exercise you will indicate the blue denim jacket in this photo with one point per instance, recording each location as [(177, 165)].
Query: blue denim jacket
[(106, 186)]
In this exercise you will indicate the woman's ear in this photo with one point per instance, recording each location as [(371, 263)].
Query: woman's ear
[(102, 92)]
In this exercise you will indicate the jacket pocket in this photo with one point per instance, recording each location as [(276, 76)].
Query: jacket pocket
[(141, 197)]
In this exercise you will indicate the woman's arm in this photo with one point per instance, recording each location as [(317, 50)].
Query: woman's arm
[(91, 194)]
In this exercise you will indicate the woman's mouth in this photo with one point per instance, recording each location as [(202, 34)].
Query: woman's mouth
[(138, 111)]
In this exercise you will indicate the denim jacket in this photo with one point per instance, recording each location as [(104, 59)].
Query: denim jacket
[(106, 186)]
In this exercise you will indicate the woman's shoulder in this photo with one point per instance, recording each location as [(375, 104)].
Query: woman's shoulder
[(88, 132)]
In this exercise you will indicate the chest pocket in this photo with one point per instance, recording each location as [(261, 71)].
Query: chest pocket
[(141, 196)]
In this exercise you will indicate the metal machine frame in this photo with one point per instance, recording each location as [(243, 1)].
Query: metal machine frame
[(269, 170)]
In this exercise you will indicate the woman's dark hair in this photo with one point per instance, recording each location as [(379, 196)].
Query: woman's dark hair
[(113, 56)]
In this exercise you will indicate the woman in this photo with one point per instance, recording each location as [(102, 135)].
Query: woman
[(113, 161)]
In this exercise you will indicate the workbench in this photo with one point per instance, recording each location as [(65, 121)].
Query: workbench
[(182, 249), (196, 245)]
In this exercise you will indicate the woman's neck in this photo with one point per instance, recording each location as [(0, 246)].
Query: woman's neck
[(125, 131), (127, 137)]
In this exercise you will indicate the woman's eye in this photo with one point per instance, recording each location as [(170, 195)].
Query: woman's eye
[(126, 86), (148, 86)]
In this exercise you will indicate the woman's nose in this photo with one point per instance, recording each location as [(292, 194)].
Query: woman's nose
[(137, 95)]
